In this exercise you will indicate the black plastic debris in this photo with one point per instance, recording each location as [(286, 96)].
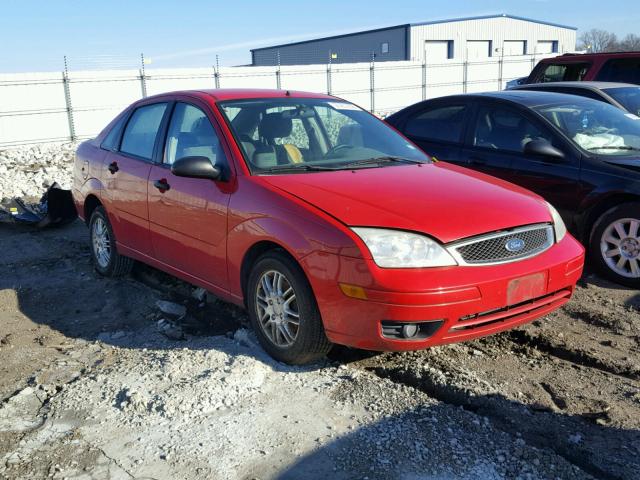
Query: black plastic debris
[(55, 208)]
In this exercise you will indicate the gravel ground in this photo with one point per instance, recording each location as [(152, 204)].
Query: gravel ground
[(99, 380)]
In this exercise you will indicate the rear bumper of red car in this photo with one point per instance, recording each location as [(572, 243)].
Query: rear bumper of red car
[(459, 303)]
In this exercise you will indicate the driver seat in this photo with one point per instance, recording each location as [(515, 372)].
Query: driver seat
[(273, 126)]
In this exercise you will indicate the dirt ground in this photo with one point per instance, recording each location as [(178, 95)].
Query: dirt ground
[(96, 382)]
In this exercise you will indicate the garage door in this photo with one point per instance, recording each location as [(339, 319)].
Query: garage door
[(544, 46), (436, 50), (477, 49), (514, 47)]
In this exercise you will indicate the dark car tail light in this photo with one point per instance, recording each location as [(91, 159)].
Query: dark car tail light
[(410, 330)]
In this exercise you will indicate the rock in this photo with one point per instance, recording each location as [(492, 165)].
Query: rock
[(172, 309), (170, 330)]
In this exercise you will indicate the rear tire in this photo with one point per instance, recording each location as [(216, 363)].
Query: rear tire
[(106, 259), (283, 311), (614, 244)]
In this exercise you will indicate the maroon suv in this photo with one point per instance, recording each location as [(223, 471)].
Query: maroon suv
[(605, 67)]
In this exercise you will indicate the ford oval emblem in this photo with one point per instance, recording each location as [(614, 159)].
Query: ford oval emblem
[(514, 245)]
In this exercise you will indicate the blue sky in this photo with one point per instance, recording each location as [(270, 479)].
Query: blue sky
[(35, 34)]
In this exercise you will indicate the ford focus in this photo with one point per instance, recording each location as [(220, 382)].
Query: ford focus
[(322, 221)]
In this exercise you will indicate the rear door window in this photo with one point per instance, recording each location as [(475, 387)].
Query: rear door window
[(625, 70), (443, 123), (567, 72), (140, 134)]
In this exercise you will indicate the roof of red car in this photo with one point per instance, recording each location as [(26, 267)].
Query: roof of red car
[(242, 93)]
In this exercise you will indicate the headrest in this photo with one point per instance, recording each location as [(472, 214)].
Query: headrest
[(274, 125), (350, 134)]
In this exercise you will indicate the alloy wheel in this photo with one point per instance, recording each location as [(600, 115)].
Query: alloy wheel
[(277, 309), (620, 247), (101, 242)]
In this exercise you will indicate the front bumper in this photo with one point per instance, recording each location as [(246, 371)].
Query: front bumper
[(472, 301)]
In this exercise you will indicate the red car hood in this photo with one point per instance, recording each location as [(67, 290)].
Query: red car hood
[(442, 200)]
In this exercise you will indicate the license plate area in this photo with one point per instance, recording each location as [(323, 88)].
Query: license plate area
[(525, 288)]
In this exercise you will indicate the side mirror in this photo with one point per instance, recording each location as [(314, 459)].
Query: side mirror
[(196, 167), (543, 148)]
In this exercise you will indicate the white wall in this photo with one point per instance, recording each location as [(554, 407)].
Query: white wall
[(33, 106), (496, 29)]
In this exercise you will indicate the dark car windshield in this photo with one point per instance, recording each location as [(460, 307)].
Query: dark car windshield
[(628, 97), (596, 126), (284, 135)]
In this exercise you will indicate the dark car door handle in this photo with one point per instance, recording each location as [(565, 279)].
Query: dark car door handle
[(162, 185), (477, 161), (113, 167)]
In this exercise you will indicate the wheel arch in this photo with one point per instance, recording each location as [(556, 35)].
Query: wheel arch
[(253, 253), (600, 208), (91, 202)]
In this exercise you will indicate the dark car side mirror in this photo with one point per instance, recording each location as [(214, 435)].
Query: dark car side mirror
[(543, 148), (196, 167)]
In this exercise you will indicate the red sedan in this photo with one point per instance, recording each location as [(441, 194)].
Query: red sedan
[(321, 220)]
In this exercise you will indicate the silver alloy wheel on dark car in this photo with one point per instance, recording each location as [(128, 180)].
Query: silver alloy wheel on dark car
[(101, 242), (277, 308), (620, 247)]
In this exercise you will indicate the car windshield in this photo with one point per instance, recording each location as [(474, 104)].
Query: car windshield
[(596, 126), (628, 97), (291, 135)]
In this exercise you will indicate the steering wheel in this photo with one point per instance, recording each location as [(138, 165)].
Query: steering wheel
[(334, 150)]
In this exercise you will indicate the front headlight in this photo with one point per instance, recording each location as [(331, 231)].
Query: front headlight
[(559, 227), (398, 249)]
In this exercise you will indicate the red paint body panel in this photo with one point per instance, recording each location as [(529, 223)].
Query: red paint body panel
[(445, 201), (201, 230)]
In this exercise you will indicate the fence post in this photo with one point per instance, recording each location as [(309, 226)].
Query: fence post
[(216, 73), (424, 80), (372, 85), (465, 68), (67, 98), (329, 75), (278, 81), (143, 77)]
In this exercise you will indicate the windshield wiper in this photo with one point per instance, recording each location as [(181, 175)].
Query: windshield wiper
[(379, 160), (297, 168), (614, 147)]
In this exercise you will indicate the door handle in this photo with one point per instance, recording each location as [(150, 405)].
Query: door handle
[(477, 161), (113, 167), (162, 185)]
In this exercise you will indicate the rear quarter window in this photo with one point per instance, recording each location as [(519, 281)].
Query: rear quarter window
[(625, 70), (440, 123)]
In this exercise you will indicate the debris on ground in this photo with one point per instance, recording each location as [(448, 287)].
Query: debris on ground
[(55, 208)]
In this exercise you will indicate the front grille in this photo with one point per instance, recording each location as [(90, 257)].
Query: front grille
[(505, 246)]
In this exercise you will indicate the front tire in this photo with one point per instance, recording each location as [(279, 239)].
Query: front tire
[(615, 244), (283, 311), (106, 259)]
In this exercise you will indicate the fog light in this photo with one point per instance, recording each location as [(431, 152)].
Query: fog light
[(410, 330)]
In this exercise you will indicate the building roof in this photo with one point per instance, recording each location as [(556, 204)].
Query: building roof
[(503, 15), (405, 25)]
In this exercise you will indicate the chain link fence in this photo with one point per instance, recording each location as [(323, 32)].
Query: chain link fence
[(76, 104)]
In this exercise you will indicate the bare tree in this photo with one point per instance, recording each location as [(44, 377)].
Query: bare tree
[(630, 43), (596, 41)]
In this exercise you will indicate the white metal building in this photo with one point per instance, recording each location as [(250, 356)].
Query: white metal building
[(472, 38)]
